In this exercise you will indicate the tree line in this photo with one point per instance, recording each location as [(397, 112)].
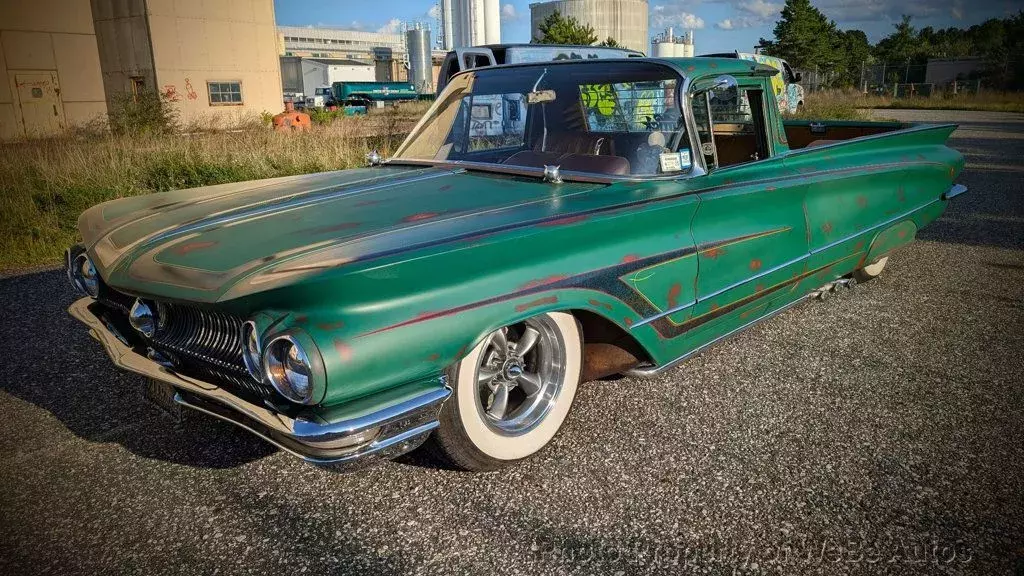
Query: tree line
[(807, 39)]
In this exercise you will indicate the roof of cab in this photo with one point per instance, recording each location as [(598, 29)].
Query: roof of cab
[(701, 66)]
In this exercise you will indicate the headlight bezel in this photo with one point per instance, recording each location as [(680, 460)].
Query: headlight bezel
[(77, 261), (253, 365), (274, 364)]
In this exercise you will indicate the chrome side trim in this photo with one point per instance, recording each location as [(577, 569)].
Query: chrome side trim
[(778, 267), (648, 371), (954, 191)]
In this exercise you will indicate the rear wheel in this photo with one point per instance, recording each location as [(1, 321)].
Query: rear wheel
[(871, 271), (511, 393)]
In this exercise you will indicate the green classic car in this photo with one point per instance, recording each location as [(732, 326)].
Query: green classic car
[(543, 225)]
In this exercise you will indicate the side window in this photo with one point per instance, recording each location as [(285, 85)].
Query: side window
[(732, 124)]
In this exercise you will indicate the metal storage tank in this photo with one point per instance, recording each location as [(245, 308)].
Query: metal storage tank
[(663, 49), (447, 22), (417, 41), (623, 20), (492, 22)]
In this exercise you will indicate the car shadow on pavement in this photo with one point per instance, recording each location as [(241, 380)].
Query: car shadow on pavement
[(61, 369)]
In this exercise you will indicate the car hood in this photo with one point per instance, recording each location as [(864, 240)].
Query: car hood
[(221, 242)]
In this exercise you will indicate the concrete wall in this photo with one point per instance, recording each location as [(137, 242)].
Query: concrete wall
[(43, 37), (200, 41), (623, 20)]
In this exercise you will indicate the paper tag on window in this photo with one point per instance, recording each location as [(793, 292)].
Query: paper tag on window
[(675, 161)]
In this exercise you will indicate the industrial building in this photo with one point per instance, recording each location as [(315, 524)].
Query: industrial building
[(669, 45), (470, 23), (623, 20), (339, 55), (65, 62)]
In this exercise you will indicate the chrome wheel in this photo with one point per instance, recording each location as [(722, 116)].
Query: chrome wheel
[(520, 375)]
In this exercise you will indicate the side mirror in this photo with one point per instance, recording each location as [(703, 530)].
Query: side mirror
[(798, 77), (724, 81)]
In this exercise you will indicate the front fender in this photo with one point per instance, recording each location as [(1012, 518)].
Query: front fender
[(359, 364)]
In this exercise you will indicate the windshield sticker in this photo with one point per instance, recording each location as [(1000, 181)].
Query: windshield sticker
[(675, 161)]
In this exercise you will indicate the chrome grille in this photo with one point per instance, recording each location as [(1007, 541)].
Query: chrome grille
[(213, 337), (203, 344)]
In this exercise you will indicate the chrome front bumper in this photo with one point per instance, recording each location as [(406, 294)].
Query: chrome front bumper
[(387, 425)]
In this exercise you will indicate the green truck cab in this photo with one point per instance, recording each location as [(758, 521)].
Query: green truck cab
[(543, 225)]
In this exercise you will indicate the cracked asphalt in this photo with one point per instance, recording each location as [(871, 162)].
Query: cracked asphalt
[(878, 432)]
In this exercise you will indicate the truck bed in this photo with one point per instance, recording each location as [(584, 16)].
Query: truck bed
[(804, 133)]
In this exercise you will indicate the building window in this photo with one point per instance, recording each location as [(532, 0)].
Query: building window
[(138, 84), (225, 93)]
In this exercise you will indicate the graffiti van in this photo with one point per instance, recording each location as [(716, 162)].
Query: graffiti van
[(788, 92)]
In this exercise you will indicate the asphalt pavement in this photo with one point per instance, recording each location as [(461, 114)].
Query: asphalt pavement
[(878, 432)]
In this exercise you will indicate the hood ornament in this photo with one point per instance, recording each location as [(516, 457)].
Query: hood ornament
[(552, 174)]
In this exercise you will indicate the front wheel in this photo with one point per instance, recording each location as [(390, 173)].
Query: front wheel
[(511, 393)]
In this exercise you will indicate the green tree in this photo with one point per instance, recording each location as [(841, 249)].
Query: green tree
[(610, 43), (854, 53), (556, 29), (805, 38), (904, 46)]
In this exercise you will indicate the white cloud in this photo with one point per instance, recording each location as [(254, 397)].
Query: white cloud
[(394, 26), (664, 16), (435, 12), (761, 8), (508, 13), (724, 24)]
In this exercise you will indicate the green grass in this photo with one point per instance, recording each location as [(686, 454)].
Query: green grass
[(836, 104)]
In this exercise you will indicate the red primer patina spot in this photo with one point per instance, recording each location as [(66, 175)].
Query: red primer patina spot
[(600, 304), (192, 247), (673, 294), (301, 319), (344, 350), (538, 302), (826, 227), (755, 264), (859, 246), (421, 216), (714, 253), (328, 326), (862, 201), (543, 281), (563, 221), (759, 287), (433, 357), (628, 321), (715, 306), (902, 234), (630, 258)]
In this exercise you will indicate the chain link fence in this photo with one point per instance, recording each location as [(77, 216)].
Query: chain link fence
[(945, 77)]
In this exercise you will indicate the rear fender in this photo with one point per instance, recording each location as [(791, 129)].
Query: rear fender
[(889, 239)]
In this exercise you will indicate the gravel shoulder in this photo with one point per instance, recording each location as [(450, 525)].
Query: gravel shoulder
[(876, 432)]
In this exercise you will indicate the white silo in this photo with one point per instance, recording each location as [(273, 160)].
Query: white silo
[(448, 23), (492, 22)]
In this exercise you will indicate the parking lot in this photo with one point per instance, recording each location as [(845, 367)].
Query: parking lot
[(879, 431)]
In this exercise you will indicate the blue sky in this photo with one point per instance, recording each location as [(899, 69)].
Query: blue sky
[(721, 25)]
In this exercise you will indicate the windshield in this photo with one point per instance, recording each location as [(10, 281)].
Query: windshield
[(613, 118)]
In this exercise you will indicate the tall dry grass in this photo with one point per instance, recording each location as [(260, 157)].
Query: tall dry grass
[(46, 184), (842, 102)]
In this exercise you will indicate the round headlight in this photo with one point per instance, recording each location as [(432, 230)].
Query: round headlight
[(288, 368), (251, 350), (85, 276), (143, 317)]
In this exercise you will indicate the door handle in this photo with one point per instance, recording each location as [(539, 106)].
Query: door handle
[(55, 110)]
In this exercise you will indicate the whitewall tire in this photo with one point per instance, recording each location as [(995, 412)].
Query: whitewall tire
[(511, 393)]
